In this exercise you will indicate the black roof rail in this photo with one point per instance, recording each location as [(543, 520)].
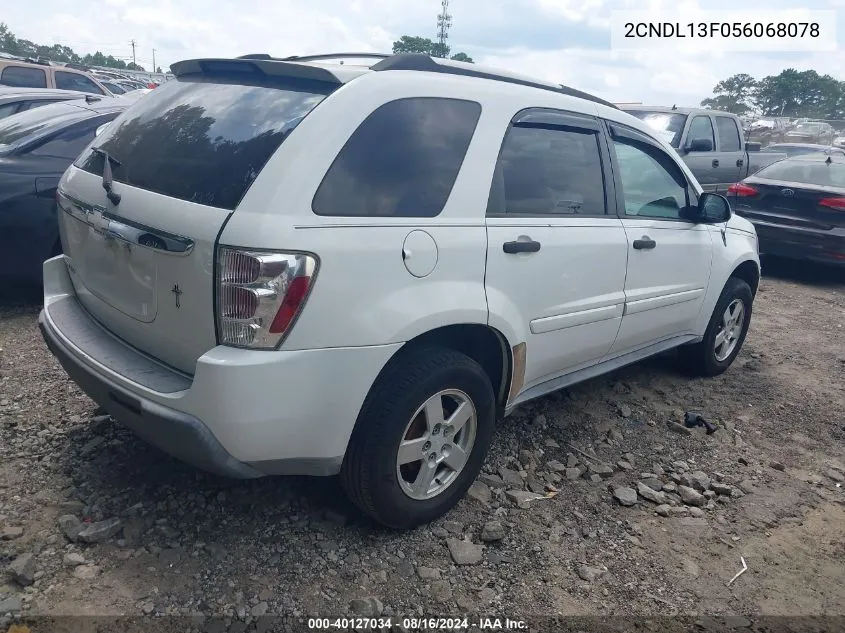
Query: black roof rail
[(420, 62), (313, 58)]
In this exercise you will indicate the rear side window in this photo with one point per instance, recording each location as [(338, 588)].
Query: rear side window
[(76, 81), (68, 143), (728, 134), (18, 129), (23, 77), (204, 140), (402, 161)]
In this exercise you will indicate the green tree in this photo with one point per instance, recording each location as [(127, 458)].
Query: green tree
[(801, 93), (425, 46), (734, 94)]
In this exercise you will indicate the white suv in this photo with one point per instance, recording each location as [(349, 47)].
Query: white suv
[(305, 267)]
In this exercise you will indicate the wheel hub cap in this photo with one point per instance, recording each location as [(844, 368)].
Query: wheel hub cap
[(730, 329)]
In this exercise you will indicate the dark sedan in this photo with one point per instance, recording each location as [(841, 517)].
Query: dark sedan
[(797, 206), (36, 147), (799, 149), (811, 132), (15, 100)]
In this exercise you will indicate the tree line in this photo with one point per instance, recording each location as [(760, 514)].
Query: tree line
[(58, 53), (792, 93), (416, 44)]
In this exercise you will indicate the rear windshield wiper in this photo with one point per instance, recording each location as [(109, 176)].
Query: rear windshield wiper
[(113, 196)]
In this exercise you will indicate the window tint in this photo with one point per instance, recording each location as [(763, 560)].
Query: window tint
[(8, 108), (76, 81), (650, 181), (17, 129), (70, 142), (544, 171), (23, 77), (701, 129), (204, 139), (114, 88), (728, 134), (401, 161)]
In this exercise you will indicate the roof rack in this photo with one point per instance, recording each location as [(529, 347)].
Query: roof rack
[(419, 62), (314, 58)]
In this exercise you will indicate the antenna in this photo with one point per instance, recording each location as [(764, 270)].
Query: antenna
[(444, 21)]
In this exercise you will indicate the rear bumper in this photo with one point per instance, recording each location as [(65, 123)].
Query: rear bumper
[(243, 414), (826, 247)]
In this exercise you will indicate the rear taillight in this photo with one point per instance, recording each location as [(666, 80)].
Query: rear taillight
[(741, 190), (833, 203), (260, 294)]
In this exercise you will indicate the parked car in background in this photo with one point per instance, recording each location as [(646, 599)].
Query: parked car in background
[(797, 149), (36, 147), (15, 100), (839, 141), (113, 87), (44, 75), (709, 141), (766, 131), (797, 206), (194, 305), (816, 132)]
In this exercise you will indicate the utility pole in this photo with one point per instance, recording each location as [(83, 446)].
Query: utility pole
[(154, 60), (444, 21), (133, 52)]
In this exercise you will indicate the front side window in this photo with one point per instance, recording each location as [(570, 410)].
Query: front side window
[(402, 161), (23, 77), (651, 181), (76, 81), (548, 171), (701, 129)]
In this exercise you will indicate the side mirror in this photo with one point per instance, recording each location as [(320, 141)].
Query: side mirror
[(753, 147), (713, 208), (700, 145)]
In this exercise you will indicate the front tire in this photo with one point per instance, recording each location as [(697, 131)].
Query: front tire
[(421, 437), (725, 333)]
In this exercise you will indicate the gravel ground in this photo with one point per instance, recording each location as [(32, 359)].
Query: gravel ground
[(594, 501)]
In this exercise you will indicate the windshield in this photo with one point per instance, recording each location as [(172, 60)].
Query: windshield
[(808, 127), (19, 128), (668, 125), (818, 173), (764, 123)]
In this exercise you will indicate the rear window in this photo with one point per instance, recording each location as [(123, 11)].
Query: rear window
[(19, 128), (204, 140), (23, 77), (805, 172), (401, 161)]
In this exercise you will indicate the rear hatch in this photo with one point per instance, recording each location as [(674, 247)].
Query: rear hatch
[(178, 163)]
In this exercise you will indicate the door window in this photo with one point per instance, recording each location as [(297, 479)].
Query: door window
[(23, 77), (69, 143), (728, 134), (651, 181), (76, 81), (548, 171), (701, 129)]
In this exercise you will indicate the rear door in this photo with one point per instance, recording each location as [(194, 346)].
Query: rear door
[(555, 257), (142, 257)]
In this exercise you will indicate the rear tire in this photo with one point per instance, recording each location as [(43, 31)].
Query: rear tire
[(403, 408), (725, 333)]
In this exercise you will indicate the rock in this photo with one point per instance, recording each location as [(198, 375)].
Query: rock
[(464, 552), (722, 489), (453, 527), (492, 531), (696, 512), (595, 478), (86, 572), (100, 531), (12, 604), (835, 475), (571, 461), (556, 466), (480, 492), (649, 493), (653, 483), (540, 420), (441, 590), (670, 487), (428, 573), (405, 568), (22, 570), (526, 458), (746, 486), (366, 607), (70, 526), (259, 610), (677, 428), (624, 465), (73, 559), (680, 466), (743, 461), (11, 533), (615, 435), (602, 470), (511, 477), (522, 498), (691, 568), (574, 473), (625, 496), (663, 509), (589, 574), (691, 497), (700, 481), (625, 411), (778, 466), (709, 494), (494, 481)]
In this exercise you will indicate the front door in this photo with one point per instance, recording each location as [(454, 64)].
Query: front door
[(556, 257), (669, 258)]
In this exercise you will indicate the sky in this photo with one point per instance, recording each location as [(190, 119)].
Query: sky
[(565, 41)]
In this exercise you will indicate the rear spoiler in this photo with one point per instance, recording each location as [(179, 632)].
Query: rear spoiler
[(255, 67)]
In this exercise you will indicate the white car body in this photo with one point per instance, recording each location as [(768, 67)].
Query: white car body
[(135, 326)]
